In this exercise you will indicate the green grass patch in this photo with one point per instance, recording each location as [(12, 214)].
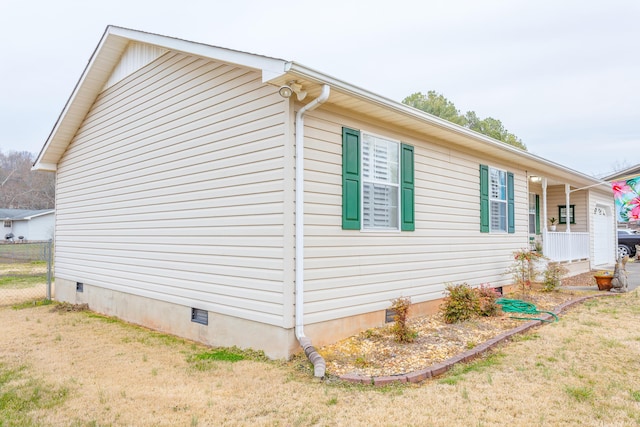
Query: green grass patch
[(20, 282), (635, 395), (525, 337), (580, 394), (456, 374), (207, 360), (223, 355), (31, 304), (102, 317), (21, 395)]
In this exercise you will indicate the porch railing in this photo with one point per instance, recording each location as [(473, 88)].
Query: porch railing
[(561, 246)]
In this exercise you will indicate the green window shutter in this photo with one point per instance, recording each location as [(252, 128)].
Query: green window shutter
[(350, 179), (484, 198), (407, 198), (537, 214), (511, 224)]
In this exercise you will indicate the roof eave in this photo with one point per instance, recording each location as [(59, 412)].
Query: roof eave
[(431, 120)]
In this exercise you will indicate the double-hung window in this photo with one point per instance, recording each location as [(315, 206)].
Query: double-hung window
[(377, 183), (496, 200), (534, 213), (380, 183)]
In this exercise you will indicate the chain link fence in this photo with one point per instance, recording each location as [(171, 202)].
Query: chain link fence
[(26, 271)]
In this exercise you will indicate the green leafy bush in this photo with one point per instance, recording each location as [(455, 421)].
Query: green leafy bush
[(461, 304), (487, 297), (465, 302)]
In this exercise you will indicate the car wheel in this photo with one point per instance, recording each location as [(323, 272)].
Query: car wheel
[(623, 250)]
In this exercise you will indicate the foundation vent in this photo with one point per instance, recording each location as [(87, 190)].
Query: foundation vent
[(200, 316), (79, 287), (389, 315)]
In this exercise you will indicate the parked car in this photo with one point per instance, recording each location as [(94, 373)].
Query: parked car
[(627, 241)]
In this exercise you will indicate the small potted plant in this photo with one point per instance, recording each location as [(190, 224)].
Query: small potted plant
[(552, 221), (603, 279)]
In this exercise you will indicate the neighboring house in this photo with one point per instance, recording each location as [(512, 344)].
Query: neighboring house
[(631, 173), (182, 204), (628, 173), (27, 224)]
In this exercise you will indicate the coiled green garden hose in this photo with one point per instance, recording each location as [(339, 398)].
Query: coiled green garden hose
[(519, 306)]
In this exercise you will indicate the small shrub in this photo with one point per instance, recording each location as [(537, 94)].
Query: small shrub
[(523, 270), (553, 276), (400, 329), (361, 362), (461, 304), (487, 297)]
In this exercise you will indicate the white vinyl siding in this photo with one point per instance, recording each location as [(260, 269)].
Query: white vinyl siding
[(348, 272), (173, 189), (556, 197)]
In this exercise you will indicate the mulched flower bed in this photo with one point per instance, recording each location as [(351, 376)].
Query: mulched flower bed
[(375, 352)]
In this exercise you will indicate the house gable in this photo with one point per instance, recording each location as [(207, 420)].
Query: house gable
[(98, 75)]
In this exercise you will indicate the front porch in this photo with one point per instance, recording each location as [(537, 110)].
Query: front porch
[(572, 225), (565, 246)]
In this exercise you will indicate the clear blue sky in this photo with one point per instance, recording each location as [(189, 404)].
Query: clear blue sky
[(562, 75)]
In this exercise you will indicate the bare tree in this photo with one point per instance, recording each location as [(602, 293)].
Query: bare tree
[(22, 188)]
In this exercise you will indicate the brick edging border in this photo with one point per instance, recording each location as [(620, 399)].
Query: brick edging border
[(467, 356)]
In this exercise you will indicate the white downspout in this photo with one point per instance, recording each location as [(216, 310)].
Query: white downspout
[(319, 365)]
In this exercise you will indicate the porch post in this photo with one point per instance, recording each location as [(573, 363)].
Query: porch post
[(567, 218), (567, 192), (544, 203), (545, 240)]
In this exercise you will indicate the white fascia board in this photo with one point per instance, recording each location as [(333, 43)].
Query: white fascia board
[(47, 167), (432, 120)]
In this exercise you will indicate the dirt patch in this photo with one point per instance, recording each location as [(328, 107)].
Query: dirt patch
[(68, 307)]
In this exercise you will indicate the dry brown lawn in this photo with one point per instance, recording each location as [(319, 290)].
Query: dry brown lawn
[(75, 368)]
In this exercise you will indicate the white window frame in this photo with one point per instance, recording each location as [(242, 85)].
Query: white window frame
[(502, 201), (371, 180), (532, 211), (7, 224)]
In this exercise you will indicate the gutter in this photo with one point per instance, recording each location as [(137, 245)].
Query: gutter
[(319, 365), (437, 122)]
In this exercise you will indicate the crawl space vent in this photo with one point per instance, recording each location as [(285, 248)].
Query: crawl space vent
[(200, 316), (79, 287), (389, 315)]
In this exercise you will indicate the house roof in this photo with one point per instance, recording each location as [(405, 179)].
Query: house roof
[(278, 72), (624, 174), (23, 214)]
